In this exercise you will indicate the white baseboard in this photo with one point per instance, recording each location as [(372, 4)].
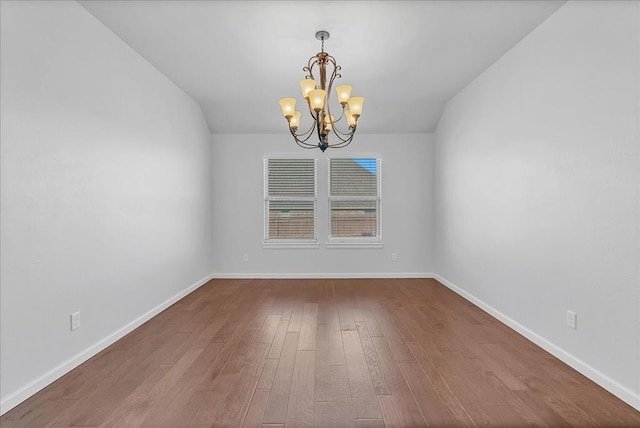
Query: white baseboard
[(22, 394), (625, 394), (322, 275)]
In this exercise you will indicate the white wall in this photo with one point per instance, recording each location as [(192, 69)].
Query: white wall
[(537, 190), (407, 172), (106, 190)]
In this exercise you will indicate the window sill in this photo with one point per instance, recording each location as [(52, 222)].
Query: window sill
[(351, 244), (290, 245)]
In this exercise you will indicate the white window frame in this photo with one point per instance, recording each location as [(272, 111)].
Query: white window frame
[(292, 242), (356, 242)]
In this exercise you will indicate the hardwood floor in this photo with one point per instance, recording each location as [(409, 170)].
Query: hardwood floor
[(296, 353)]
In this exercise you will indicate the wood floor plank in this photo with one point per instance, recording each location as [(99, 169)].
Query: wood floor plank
[(433, 409), (398, 346), (558, 403), (253, 419), (301, 400), (229, 370), (295, 323), (267, 374), (345, 315), (323, 311), (178, 407), (134, 373), (260, 315), (375, 370), (232, 353), (372, 324), (342, 414), (51, 406), (336, 348), (322, 414), (308, 325), (322, 390), (206, 358), (513, 401), (358, 313), (399, 324), (229, 328), (278, 340), (224, 356), (112, 411), (237, 402), (269, 329), (370, 423), (426, 355), (543, 410), (364, 398), (213, 398), (389, 412), (280, 390), (405, 402), (134, 411)]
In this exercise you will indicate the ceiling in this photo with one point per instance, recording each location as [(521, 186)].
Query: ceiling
[(237, 58)]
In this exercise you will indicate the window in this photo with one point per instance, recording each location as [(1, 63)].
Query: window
[(354, 200), (290, 199)]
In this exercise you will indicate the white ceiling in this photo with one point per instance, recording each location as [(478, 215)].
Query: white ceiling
[(237, 58)]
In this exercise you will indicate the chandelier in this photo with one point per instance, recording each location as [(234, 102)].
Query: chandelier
[(317, 94)]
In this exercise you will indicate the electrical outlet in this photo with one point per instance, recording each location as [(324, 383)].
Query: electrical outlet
[(394, 257), (572, 320), (75, 321), (245, 258)]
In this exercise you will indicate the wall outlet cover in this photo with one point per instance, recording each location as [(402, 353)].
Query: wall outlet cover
[(75, 321), (572, 319)]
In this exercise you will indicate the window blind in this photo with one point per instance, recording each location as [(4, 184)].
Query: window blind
[(290, 200), (354, 199)]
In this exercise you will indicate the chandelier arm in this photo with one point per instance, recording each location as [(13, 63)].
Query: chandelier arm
[(339, 132), (315, 115), (304, 136), (336, 67), (312, 62), (303, 143), (307, 145), (340, 136), (349, 135), (312, 124), (301, 138), (334, 74), (336, 131), (347, 142), (342, 143), (341, 116), (305, 133)]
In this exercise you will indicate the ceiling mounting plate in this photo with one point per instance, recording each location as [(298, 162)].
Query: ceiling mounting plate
[(322, 35)]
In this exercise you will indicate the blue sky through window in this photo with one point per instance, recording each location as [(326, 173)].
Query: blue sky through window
[(369, 164)]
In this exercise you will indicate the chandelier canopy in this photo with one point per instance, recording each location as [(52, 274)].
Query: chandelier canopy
[(317, 94)]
